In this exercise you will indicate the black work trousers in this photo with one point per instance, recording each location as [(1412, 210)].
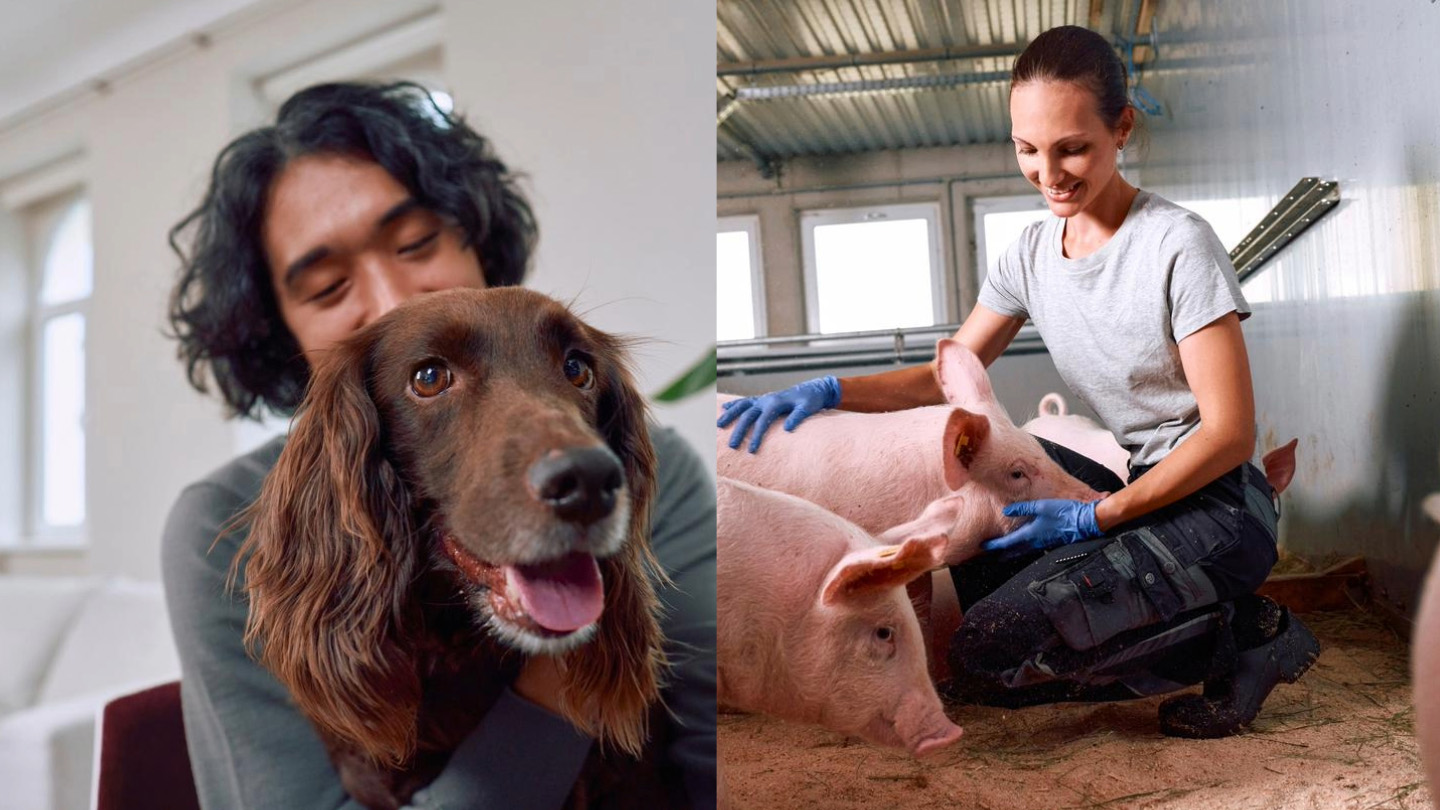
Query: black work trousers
[(1143, 610)]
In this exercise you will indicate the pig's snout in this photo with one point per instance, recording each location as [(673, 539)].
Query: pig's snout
[(923, 727), (942, 739)]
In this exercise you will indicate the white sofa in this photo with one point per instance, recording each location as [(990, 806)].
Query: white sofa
[(67, 645)]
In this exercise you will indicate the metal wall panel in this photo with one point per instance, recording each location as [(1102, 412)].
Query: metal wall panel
[(1345, 340)]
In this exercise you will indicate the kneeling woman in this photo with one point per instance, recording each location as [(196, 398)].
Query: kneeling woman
[(1152, 588)]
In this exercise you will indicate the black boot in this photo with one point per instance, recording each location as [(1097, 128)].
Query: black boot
[(1231, 702)]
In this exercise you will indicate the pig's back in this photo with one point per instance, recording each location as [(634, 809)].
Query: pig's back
[(773, 553), (876, 470), (1085, 437)]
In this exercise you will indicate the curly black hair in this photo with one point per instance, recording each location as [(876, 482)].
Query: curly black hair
[(223, 309)]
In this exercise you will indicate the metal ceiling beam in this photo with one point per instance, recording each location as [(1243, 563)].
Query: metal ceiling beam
[(763, 163), (802, 64), (867, 86), (1141, 15)]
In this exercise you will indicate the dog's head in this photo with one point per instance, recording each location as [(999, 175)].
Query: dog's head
[(487, 433)]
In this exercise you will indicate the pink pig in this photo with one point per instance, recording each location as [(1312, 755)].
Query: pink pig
[(814, 623), (1425, 663), (1077, 433), (1093, 441), (883, 469)]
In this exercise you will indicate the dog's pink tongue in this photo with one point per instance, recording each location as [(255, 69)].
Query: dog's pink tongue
[(561, 596)]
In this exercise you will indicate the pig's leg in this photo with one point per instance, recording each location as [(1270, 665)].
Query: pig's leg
[(920, 592), (944, 621), (938, 610)]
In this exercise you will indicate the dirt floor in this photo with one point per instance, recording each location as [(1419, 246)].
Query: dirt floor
[(1340, 738)]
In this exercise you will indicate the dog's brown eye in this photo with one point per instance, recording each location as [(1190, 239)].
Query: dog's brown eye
[(430, 379), (578, 372)]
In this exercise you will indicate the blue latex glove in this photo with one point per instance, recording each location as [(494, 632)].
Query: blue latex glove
[(1056, 523), (806, 399)]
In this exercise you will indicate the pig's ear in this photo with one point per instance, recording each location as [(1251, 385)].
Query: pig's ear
[(1280, 466), (1431, 505), (965, 436), (873, 569), (961, 375)]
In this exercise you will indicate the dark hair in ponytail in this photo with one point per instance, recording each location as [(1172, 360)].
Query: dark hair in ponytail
[(1070, 53)]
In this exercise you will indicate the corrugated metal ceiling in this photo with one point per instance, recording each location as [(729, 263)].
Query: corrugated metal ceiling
[(803, 45)]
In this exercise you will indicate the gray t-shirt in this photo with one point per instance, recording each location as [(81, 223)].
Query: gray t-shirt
[(1113, 320)]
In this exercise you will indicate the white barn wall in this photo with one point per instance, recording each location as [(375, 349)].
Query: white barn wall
[(1346, 356)]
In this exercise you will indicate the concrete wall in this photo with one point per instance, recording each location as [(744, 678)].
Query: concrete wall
[(951, 177), (595, 106)]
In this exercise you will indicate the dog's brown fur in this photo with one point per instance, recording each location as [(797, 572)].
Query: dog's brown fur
[(354, 606)]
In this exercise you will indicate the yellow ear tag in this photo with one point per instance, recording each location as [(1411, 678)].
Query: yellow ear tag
[(888, 551), (961, 442)]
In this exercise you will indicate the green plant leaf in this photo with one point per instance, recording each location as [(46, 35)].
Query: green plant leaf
[(696, 378)]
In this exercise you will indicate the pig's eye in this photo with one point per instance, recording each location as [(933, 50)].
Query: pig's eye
[(884, 633), (1018, 475)]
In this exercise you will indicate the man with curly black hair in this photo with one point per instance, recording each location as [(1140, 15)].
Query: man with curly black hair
[(226, 308), (357, 198)]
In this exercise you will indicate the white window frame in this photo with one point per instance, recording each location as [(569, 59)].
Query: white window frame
[(750, 224), (35, 531), (980, 207), (929, 211)]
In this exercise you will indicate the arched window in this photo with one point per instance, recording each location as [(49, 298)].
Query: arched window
[(62, 262)]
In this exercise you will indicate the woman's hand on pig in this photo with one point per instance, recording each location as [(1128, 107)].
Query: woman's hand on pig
[(806, 399), (1055, 523)]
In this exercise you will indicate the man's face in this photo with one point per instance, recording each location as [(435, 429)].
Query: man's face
[(346, 243)]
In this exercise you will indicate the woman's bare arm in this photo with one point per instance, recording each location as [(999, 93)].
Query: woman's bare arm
[(1218, 369), (985, 332)]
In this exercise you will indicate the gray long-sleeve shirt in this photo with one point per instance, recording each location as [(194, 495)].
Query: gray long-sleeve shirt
[(250, 747)]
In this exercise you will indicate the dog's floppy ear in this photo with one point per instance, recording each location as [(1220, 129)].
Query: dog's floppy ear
[(611, 682), (326, 590)]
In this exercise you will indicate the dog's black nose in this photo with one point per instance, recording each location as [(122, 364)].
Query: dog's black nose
[(580, 484)]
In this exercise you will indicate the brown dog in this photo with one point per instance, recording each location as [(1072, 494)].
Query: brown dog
[(467, 481)]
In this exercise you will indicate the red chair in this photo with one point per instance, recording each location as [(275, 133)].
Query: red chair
[(143, 760)]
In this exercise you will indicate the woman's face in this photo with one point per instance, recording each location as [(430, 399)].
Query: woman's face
[(1065, 149), (347, 243)]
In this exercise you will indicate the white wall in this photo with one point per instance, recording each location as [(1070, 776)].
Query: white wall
[(608, 108), (595, 103)]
